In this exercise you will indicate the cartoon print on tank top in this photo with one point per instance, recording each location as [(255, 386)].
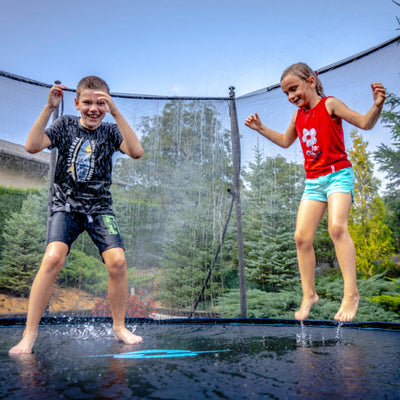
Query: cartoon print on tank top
[(310, 139), (81, 159)]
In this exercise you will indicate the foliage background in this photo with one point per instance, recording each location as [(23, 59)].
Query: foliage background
[(172, 204)]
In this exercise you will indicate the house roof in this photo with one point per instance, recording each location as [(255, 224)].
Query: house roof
[(16, 150)]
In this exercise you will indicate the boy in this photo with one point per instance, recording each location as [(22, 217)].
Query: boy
[(82, 199)]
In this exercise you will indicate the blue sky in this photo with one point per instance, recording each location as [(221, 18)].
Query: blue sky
[(177, 47)]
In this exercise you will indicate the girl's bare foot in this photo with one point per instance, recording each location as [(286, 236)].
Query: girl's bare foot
[(308, 301), (348, 308), (25, 346), (122, 334)]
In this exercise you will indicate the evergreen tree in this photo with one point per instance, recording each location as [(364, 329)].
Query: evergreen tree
[(181, 182), (388, 156), (11, 200), (323, 245), (272, 192), (24, 239), (142, 228), (193, 233), (372, 237)]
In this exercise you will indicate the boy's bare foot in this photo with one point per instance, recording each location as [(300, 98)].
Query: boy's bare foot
[(25, 346), (308, 301), (122, 334), (348, 308)]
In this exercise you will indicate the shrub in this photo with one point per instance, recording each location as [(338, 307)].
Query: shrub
[(259, 304), (391, 303), (84, 272), (380, 300), (135, 307)]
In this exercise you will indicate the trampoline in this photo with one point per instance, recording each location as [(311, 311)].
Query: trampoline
[(77, 358), (188, 146)]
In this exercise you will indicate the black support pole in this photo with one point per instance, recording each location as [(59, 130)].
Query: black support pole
[(235, 137), (53, 161), (216, 254)]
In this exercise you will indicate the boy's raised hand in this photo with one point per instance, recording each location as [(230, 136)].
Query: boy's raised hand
[(55, 96), (103, 96), (378, 93)]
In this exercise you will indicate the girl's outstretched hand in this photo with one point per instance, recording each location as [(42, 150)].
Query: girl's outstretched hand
[(253, 122), (378, 93)]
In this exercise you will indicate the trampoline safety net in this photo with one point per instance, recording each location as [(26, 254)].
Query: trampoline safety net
[(173, 204)]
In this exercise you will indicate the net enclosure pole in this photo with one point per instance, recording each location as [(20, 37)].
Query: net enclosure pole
[(53, 161), (52, 172), (216, 254), (235, 138)]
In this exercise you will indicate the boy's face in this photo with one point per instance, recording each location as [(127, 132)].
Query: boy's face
[(92, 109)]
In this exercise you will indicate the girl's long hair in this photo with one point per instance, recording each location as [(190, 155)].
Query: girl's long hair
[(303, 71)]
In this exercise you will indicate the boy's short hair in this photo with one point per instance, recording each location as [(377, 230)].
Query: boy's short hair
[(91, 82)]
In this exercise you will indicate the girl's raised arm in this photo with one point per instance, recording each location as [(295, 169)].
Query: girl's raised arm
[(367, 121), (283, 140)]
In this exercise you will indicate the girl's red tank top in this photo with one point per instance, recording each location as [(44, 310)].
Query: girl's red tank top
[(322, 141)]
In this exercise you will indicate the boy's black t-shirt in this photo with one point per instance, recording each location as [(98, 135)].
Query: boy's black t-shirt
[(84, 165)]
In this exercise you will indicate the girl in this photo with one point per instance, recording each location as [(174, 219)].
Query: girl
[(329, 176)]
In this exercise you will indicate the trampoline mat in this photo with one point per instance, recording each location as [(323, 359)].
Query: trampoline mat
[(203, 361)]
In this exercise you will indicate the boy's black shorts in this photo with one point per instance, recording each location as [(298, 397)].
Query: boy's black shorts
[(66, 227)]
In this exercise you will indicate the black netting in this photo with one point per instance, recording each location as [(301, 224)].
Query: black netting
[(172, 204)]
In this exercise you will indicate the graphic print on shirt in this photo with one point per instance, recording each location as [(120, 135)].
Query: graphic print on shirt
[(310, 139), (81, 159)]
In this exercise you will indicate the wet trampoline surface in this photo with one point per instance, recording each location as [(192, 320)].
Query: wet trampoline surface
[(203, 361)]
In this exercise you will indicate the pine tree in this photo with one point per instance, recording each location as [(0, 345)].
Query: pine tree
[(192, 233), (372, 237), (24, 238), (388, 156), (271, 196), (184, 174)]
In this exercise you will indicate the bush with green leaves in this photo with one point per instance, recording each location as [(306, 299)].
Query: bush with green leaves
[(136, 306), (379, 300), (389, 296), (259, 304)]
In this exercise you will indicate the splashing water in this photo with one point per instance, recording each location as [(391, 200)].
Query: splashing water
[(339, 331), (303, 338), (88, 331)]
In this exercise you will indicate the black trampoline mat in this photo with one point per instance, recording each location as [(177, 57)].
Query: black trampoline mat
[(203, 361)]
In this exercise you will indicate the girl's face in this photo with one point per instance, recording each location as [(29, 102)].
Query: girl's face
[(92, 109), (299, 92)]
